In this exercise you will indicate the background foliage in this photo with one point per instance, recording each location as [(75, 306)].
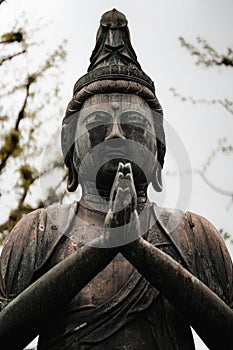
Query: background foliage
[(29, 105)]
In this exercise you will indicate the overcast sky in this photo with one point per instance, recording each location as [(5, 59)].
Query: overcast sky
[(155, 27)]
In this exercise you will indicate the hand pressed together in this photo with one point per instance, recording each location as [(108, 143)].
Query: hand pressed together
[(122, 222)]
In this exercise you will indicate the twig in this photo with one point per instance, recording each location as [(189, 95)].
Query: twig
[(213, 186), (10, 57)]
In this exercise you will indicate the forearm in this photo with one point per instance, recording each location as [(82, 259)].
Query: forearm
[(26, 314), (204, 310)]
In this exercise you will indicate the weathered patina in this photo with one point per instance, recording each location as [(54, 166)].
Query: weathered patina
[(65, 273)]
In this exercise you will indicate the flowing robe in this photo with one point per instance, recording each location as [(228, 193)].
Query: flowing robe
[(133, 314)]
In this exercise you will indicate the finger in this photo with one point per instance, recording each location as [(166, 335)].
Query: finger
[(120, 167), (129, 177), (122, 208), (108, 219), (128, 169), (119, 176), (118, 201)]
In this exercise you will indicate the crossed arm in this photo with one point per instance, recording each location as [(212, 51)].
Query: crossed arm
[(203, 309), (211, 318)]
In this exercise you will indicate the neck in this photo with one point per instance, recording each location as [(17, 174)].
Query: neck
[(99, 198)]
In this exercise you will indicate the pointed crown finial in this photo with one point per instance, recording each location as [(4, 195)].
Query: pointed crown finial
[(113, 56)]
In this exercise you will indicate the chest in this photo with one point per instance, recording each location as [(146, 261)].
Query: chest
[(108, 282), (117, 273)]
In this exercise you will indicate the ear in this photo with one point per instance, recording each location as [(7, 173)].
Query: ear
[(157, 177), (72, 182)]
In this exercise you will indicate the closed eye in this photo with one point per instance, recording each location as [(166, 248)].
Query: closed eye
[(96, 119), (135, 119)]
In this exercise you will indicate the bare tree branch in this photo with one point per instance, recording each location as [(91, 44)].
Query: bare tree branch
[(226, 104), (21, 113), (226, 235), (22, 208), (20, 142), (12, 140), (213, 186), (12, 37), (13, 90), (7, 150), (222, 147), (206, 55), (10, 57)]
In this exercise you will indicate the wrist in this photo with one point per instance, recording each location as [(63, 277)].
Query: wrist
[(133, 246), (102, 243)]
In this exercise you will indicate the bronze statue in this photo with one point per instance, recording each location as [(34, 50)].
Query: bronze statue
[(114, 271)]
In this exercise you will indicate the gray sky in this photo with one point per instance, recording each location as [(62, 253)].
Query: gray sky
[(155, 27)]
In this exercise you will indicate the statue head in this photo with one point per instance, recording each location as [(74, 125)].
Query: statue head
[(114, 107)]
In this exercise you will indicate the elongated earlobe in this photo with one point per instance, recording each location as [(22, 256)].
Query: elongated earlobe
[(157, 178), (72, 182)]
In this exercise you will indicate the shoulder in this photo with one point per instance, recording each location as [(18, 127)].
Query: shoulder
[(195, 226), (202, 248), (18, 256), (25, 227), (194, 231), (38, 231), (42, 219), (30, 244), (207, 236), (212, 260)]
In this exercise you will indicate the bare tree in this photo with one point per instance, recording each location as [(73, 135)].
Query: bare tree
[(207, 56), (28, 90)]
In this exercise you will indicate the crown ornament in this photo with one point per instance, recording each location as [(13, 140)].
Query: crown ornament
[(113, 68)]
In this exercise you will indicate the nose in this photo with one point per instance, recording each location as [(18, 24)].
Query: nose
[(115, 132)]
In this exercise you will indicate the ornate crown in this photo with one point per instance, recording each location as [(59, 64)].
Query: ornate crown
[(113, 69)]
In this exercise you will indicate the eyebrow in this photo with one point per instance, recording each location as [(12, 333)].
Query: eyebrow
[(97, 112)]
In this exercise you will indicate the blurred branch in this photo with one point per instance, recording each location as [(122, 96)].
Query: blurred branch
[(226, 235), (222, 147), (226, 104), (17, 36), (13, 36), (12, 140), (28, 176), (10, 57), (213, 186), (21, 113), (50, 62), (29, 87), (13, 90), (206, 55), (11, 144)]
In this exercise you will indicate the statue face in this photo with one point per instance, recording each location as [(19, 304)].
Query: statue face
[(113, 128)]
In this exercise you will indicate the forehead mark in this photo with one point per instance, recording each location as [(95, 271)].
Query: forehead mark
[(115, 106)]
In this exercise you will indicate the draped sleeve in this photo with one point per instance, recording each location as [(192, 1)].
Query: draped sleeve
[(202, 248), (19, 256), (27, 251), (211, 259)]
